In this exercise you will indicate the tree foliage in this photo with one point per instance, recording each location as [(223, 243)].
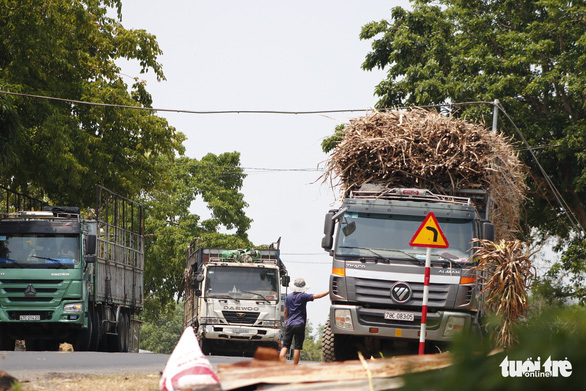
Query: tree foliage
[(312, 343), (60, 149), (550, 334), (170, 225), (531, 56), (68, 49), (160, 334)]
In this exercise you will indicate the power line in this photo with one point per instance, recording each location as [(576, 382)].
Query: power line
[(567, 211), (81, 102), (305, 254)]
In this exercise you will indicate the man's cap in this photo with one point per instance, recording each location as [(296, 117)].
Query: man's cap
[(298, 285)]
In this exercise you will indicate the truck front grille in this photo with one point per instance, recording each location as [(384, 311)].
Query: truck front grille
[(378, 292), (335, 283), (240, 317), (24, 291), (30, 299)]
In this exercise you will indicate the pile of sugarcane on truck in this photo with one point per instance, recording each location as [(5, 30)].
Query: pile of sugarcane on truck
[(395, 169), (233, 298), (67, 278)]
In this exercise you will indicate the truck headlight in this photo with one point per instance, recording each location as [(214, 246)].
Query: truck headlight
[(271, 323), (73, 307), (210, 321), (343, 319), (454, 325)]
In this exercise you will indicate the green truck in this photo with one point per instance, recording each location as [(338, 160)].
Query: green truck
[(68, 278)]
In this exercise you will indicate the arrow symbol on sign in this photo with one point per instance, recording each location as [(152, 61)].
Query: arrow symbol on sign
[(421, 237), (434, 233)]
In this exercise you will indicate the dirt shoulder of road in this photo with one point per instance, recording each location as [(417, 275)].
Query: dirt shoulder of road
[(77, 382)]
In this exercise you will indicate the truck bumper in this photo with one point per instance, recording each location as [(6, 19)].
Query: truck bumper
[(239, 333), (37, 322), (353, 320)]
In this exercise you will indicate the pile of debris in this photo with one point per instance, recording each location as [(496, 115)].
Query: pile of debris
[(423, 149)]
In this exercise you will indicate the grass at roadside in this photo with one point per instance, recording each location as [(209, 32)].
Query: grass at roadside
[(92, 382)]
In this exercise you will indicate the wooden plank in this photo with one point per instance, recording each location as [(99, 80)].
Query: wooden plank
[(351, 385), (242, 374)]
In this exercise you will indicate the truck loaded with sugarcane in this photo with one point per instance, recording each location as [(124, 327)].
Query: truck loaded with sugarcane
[(396, 168)]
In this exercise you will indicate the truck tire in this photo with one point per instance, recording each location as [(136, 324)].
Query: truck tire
[(124, 331), (119, 341), (96, 320), (206, 347), (337, 347), (83, 338)]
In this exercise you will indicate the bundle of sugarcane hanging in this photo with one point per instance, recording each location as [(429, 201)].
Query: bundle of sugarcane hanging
[(505, 273)]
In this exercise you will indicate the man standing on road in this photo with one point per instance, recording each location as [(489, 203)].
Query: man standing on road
[(296, 317)]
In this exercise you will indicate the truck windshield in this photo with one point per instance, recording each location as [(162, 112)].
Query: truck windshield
[(388, 236), (242, 283), (39, 251)]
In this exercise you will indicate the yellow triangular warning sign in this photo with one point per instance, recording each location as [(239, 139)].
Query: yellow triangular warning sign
[(429, 234)]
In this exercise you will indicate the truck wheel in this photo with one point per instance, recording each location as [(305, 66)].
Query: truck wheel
[(327, 345), (84, 336), (206, 347), (119, 342), (336, 347), (123, 331), (96, 320)]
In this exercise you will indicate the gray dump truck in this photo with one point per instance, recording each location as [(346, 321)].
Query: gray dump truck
[(377, 280), (68, 278)]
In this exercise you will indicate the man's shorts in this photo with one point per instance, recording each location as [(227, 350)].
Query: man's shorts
[(297, 331)]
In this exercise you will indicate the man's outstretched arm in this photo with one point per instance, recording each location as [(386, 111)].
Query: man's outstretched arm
[(320, 295)]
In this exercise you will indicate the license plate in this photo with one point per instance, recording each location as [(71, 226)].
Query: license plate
[(398, 315), (30, 317), (240, 331)]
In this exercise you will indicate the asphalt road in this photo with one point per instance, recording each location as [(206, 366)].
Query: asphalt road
[(32, 365)]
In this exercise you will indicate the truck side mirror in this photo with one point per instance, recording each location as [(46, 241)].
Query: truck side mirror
[(199, 277), (198, 292), (488, 231), (349, 228), (285, 280), (90, 259), (90, 244), (328, 240)]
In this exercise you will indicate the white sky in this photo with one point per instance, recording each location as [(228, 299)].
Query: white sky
[(266, 55)]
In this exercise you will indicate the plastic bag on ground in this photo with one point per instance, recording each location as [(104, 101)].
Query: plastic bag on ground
[(188, 368)]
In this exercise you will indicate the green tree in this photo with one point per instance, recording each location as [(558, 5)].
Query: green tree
[(170, 226), (60, 149), (68, 49), (312, 343), (161, 333), (531, 55), (551, 334)]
